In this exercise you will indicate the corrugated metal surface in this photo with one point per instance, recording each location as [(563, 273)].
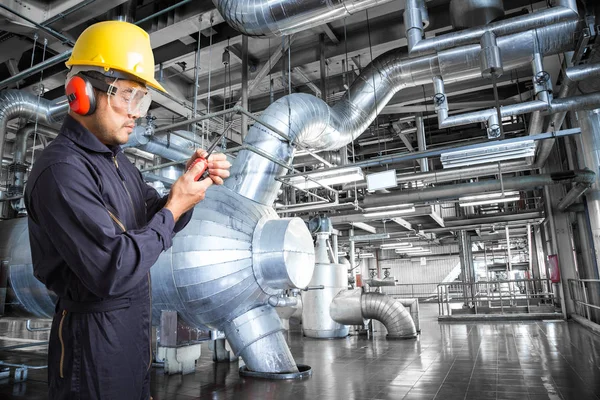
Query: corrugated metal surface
[(417, 280)]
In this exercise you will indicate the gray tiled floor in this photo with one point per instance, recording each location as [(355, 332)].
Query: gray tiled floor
[(512, 360)]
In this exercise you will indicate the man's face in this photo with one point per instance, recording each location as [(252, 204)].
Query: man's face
[(115, 115)]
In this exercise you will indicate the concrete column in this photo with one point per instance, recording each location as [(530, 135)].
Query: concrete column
[(466, 264)]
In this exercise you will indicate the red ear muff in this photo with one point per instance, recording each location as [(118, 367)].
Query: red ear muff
[(80, 95)]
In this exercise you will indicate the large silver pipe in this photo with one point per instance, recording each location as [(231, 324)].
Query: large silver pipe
[(455, 174), (573, 75), (455, 191), (352, 307), (311, 122), (590, 138), (316, 321), (17, 103), (566, 11), (279, 18)]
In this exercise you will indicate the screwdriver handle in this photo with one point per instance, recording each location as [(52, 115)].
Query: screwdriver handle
[(204, 173)]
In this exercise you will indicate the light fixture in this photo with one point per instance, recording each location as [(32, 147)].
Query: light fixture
[(368, 238), (381, 180), (366, 255), (488, 198), (327, 177), (395, 245), (409, 250), (388, 211), (488, 153)]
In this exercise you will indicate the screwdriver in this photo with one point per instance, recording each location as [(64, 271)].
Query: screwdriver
[(204, 173)]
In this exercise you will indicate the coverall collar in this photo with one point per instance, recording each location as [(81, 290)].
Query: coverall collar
[(82, 137)]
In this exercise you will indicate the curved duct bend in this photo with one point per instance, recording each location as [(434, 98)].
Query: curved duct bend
[(278, 18), (310, 121), (352, 307), (17, 103)]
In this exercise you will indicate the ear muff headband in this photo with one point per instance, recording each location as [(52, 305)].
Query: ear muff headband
[(80, 94)]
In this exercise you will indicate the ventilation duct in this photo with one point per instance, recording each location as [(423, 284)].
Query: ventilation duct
[(279, 18), (17, 103), (311, 122), (472, 13), (353, 307)]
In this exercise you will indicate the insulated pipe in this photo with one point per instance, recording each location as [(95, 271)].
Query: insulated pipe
[(422, 143), (455, 191), (352, 307), (455, 174), (19, 157), (311, 122), (280, 18), (17, 103), (175, 149), (567, 11), (573, 75), (590, 138)]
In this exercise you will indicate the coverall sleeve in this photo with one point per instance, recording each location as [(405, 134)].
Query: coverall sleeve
[(155, 203), (67, 203)]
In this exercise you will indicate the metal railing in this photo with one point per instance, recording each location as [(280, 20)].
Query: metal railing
[(584, 293), (496, 297), (412, 290)]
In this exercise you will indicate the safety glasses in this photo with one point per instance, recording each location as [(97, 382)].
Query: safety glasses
[(133, 100)]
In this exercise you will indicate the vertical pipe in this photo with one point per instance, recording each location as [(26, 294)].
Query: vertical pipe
[(352, 255), (508, 261), (334, 245), (323, 67), (196, 79), (244, 128), (422, 143)]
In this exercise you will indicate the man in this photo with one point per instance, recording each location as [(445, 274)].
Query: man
[(96, 228)]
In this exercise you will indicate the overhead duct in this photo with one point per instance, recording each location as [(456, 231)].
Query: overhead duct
[(311, 122), (17, 103), (472, 13), (566, 10), (454, 191), (279, 18), (352, 307)]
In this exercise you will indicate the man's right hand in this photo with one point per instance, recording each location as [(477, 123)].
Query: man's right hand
[(186, 193)]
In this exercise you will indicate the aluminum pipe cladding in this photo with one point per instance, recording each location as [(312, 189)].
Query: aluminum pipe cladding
[(352, 307), (490, 58), (280, 260), (472, 13)]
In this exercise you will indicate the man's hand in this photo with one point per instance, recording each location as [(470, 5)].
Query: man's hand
[(186, 192), (218, 168)]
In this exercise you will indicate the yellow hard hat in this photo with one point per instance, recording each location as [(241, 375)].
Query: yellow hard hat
[(119, 46)]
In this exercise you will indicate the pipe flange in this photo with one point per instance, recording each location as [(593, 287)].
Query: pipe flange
[(494, 131), (304, 372)]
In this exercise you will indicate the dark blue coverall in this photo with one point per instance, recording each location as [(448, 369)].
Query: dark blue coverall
[(96, 229)]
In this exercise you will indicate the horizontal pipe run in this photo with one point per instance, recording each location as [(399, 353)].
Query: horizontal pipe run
[(197, 119), (456, 191), (396, 158), (454, 174), (509, 26)]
